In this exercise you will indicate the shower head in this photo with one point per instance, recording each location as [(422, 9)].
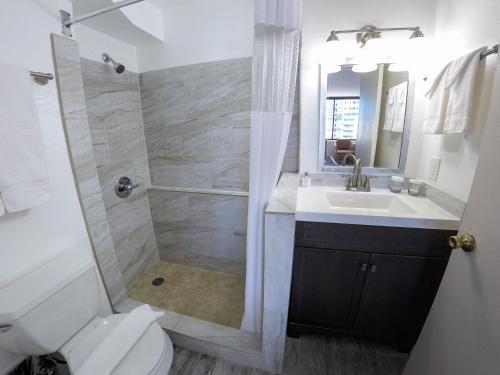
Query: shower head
[(119, 68)]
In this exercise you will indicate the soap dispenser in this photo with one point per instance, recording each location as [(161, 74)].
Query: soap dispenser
[(306, 180)]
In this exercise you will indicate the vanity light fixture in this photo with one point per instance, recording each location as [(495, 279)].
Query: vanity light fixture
[(332, 37), (417, 33), (369, 32)]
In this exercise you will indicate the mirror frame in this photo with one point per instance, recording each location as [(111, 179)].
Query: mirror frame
[(323, 81)]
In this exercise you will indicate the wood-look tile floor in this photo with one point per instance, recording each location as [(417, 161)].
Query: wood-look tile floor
[(309, 355), (200, 293)]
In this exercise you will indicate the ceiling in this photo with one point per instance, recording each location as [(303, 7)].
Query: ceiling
[(115, 23)]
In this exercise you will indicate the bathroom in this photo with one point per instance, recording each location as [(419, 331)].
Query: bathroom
[(249, 187)]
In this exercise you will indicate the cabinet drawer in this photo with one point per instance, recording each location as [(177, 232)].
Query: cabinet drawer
[(368, 238)]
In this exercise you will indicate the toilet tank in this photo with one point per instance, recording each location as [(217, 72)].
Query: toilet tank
[(41, 310)]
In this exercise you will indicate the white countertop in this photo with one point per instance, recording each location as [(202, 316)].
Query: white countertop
[(420, 212), (284, 197)]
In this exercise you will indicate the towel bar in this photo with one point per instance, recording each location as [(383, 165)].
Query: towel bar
[(41, 78), (490, 51)]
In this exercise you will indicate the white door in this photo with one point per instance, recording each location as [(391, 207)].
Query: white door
[(462, 333)]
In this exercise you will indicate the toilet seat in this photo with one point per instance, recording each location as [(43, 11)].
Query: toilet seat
[(151, 355)]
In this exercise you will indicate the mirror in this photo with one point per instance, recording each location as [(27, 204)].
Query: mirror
[(364, 114)]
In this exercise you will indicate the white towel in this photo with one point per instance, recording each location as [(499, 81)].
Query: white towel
[(23, 174), (390, 109), (450, 96), (400, 107), (461, 81), (437, 100), (110, 352)]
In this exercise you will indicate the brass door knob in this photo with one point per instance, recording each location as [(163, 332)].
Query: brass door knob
[(466, 241)]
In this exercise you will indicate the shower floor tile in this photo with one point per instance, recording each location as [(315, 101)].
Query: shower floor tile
[(203, 294)]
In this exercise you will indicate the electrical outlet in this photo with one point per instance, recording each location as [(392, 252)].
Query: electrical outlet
[(434, 169)]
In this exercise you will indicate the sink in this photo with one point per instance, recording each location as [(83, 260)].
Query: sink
[(333, 204), (376, 203)]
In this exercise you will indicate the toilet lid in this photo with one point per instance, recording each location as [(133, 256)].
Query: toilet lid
[(143, 358), (152, 351)]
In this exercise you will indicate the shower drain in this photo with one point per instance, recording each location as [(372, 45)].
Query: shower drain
[(158, 281)]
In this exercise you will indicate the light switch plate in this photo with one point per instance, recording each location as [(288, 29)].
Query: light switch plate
[(434, 169)]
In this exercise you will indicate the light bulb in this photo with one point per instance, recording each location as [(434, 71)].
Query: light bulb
[(374, 50), (331, 68), (397, 67), (364, 68), (330, 53)]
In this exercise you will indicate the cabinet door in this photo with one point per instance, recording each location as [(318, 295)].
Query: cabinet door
[(326, 287), (397, 296)]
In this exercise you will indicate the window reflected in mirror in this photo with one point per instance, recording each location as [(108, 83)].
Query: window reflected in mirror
[(364, 116)]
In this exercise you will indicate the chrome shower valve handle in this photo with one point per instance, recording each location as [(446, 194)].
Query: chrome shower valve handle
[(124, 187)]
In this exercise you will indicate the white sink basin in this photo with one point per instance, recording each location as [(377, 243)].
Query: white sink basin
[(330, 204), (381, 203)]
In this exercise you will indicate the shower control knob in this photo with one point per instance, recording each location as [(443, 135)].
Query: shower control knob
[(124, 187)]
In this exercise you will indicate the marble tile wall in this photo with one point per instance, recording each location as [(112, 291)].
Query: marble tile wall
[(197, 128), (279, 235), (291, 159), (201, 230), (76, 127), (115, 120), (197, 124)]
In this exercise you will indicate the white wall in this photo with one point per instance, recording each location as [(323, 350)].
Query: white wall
[(321, 16), (145, 16), (200, 31), (94, 43), (343, 83), (31, 237), (464, 26)]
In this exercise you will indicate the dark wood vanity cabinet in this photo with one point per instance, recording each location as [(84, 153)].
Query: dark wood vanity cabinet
[(371, 281)]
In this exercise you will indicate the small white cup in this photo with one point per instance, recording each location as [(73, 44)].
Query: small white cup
[(415, 186), (396, 184)]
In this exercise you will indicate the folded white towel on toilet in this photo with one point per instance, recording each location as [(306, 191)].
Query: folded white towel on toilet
[(110, 352), (24, 180)]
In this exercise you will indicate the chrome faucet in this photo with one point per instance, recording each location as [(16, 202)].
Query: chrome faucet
[(357, 182)]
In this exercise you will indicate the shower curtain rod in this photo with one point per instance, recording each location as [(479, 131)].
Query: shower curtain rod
[(67, 20)]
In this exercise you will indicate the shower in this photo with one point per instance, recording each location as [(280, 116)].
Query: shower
[(119, 68)]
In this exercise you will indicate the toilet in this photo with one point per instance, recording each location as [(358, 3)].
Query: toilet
[(55, 308)]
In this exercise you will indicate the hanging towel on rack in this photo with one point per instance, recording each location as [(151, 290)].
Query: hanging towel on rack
[(400, 107), (24, 181), (395, 108), (450, 97), (437, 100), (461, 81), (390, 108)]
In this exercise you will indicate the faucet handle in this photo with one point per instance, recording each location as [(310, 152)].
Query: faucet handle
[(366, 184)]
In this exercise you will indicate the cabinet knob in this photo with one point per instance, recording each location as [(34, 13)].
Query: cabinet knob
[(466, 241)]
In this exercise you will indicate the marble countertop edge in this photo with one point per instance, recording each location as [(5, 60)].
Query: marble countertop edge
[(284, 199)]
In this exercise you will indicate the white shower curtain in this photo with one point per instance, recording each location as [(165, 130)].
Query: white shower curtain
[(274, 74)]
